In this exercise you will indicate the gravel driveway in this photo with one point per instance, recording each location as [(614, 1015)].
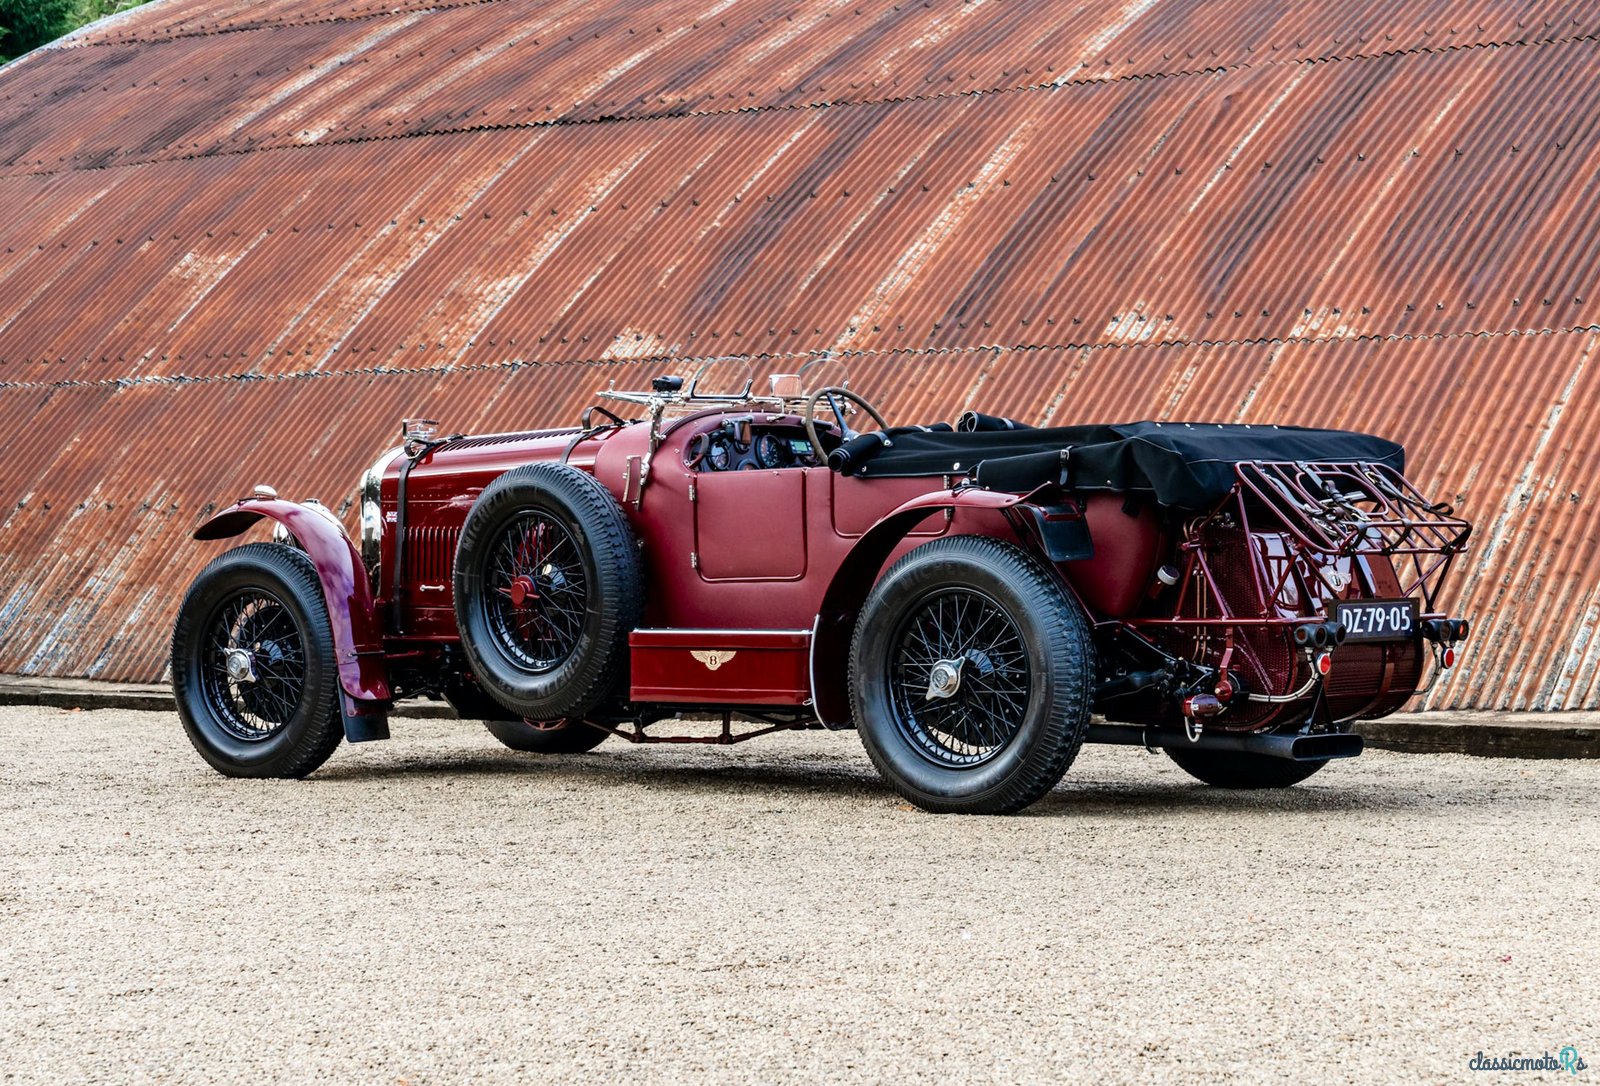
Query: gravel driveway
[(437, 909)]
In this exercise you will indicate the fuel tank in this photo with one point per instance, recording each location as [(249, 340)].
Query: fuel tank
[(1129, 544)]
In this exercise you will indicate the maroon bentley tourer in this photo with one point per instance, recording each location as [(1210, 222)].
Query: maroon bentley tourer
[(976, 599)]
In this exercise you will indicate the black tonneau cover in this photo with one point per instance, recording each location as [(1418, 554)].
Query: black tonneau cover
[(1189, 465)]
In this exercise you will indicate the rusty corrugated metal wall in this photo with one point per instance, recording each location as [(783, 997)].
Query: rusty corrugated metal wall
[(241, 239)]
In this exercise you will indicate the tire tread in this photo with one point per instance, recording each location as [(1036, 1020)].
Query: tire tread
[(1064, 624), (1243, 770), (610, 540), (324, 728)]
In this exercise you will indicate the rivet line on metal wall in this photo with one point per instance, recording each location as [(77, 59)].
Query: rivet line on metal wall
[(562, 122), (512, 365)]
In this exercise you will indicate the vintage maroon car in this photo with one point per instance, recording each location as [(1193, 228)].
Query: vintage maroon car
[(964, 597)]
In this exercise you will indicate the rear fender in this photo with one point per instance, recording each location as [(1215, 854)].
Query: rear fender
[(357, 632), (836, 620)]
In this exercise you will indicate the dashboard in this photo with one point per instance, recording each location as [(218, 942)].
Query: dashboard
[(741, 444)]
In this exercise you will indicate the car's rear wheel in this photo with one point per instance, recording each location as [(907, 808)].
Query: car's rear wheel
[(253, 665), (1241, 769), (547, 587), (971, 677)]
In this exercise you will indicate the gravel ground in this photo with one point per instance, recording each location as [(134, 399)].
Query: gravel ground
[(437, 909)]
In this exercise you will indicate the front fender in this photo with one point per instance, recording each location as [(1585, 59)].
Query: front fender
[(357, 632), (836, 620)]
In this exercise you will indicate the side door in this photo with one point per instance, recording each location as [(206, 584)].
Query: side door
[(751, 525)]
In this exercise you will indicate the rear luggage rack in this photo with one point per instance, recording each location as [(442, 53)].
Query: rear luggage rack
[(1291, 545), (1353, 508)]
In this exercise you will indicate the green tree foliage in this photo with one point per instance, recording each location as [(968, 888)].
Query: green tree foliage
[(28, 24)]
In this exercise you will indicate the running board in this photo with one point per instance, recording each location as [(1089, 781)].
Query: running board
[(708, 667), (1294, 748)]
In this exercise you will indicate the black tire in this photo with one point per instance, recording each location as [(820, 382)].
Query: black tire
[(557, 537), (284, 719), (1241, 769), (573, 737), (991, 746), (471, 703)]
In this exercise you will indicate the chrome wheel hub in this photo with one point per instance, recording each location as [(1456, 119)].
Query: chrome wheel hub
[(960, 678), (944, 681), (241, 665)]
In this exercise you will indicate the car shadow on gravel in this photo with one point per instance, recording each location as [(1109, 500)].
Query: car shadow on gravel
[(1100, 794), (1122, 800), (630, 768), (1097, 795)]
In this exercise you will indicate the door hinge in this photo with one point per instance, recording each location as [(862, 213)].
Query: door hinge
[(694, 493), (629, 493), (694, 560)]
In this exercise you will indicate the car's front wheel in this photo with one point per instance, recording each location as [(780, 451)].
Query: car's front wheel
[(563, 736), (971, 676), (253, 665)]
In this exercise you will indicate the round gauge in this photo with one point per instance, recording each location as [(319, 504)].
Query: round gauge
[(771, 451), (719, 456)]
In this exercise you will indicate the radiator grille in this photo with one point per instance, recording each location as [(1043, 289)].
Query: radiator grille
[(430, 556)]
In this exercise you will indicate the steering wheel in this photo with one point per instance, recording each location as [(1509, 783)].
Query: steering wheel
[(833, 394)]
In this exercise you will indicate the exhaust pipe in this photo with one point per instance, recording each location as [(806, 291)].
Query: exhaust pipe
[(1294, 748)]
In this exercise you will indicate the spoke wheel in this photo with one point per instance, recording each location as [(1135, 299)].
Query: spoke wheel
[(534, 736), (547, 737), (254, 671), (538, 596), (257, 675), (547, 587), (961, 680), (971, 674)]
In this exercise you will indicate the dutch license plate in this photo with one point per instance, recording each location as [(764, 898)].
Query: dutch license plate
[(1376, 620)]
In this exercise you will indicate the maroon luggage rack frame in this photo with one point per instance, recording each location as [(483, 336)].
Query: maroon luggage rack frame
[(1306, 527)]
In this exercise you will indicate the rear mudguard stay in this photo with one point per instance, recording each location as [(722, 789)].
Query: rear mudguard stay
[(357, 632)]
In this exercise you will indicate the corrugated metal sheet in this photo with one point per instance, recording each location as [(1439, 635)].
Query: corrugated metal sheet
[(240, 240), (291, 74)]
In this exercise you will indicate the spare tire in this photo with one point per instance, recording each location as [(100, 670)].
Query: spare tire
[(547, 587)]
